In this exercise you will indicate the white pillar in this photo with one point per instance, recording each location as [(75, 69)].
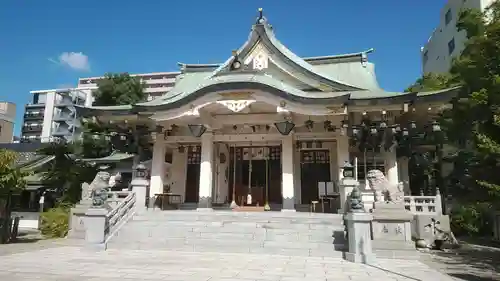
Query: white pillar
[(297, 178), (157, 169), (287, 188), (404, 174), (342, 155), (206, 171), (391, 167)]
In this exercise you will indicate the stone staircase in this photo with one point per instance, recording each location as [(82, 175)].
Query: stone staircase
[(280, 233)]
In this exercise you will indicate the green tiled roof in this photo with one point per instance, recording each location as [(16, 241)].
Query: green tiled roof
[(350, 75), (112, 158)]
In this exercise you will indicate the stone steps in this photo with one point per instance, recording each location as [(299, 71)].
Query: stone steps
[(296, 234)]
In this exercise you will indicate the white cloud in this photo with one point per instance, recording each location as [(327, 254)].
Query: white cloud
[(77, 61)]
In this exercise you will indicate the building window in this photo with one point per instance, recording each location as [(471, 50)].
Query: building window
[(451, 46), (426, 57), (447, 17)]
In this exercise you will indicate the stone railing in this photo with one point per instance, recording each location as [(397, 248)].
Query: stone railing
[(122, 210), (102, 223), (424, 204)]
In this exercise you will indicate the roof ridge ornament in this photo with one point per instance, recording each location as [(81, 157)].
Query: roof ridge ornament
[(260, 19)]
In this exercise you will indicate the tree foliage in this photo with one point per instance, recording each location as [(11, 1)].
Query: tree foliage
[(118, 89), (11, 177), (474, 122), (431, 82)]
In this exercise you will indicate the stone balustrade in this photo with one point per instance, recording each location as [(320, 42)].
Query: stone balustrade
[(424, 204), (102, 223)]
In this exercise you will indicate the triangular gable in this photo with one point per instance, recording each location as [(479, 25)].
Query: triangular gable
[(262, 45)]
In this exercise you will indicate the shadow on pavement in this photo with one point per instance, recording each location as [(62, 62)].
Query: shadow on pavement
[(470, 262), (470, 277)]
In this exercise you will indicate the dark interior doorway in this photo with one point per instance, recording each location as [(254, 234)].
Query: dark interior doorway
[(315, 167), (193, 175), (244, 182)]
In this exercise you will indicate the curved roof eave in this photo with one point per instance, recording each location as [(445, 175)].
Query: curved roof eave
[(116, 110), (262, 31), (444, 95), (247, 82)]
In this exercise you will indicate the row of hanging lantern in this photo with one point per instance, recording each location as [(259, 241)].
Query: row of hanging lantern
[(375, 135)]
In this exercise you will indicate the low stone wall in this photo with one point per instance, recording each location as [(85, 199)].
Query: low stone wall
[(28, 220)]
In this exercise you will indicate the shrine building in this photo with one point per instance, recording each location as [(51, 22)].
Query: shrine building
[(267, 127)]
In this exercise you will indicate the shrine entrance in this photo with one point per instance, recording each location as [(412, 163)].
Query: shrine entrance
[(193, 175), (255, 175), (315, 167)]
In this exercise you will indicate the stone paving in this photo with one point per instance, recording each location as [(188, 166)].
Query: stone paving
[(77, 263)]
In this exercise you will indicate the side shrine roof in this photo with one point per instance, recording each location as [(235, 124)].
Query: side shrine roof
[(332, 80)]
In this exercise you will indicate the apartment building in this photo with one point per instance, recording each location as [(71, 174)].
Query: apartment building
[(157, 83), (7, 117), (51, 114), (446, 42)]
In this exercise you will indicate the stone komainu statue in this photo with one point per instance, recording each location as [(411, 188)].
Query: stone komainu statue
[(384, 190), (99, 189)]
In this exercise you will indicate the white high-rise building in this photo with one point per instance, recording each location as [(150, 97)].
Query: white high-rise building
[(157, 83), (51, 114), (446, 42)]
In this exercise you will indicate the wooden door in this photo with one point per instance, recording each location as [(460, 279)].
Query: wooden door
[(315, 167), (193, 176)]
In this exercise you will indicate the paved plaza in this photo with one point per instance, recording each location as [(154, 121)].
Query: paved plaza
[(76, 263)]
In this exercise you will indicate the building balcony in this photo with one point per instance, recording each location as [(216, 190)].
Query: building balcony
[(35, 105), (31, 128), (33, 116), (64, 117)]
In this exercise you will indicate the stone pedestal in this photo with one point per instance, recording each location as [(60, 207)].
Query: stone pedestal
[(140, 187), (95, 226), (359, 237), (424, 226), (391, 228), (77, 224), (345, 188)]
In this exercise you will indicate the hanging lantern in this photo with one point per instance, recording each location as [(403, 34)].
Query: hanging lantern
[(284, 127), (197, 130), (413, 125)]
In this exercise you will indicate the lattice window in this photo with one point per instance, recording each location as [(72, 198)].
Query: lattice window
[(274, 153), (322, 156), (315, 156), (194, 155)]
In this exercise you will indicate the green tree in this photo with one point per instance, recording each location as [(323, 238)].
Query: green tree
[(474, 121), (119, 89), (12, 180), (11, 177), (431, 82)]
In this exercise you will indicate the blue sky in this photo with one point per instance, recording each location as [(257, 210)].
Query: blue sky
[(49, 44)]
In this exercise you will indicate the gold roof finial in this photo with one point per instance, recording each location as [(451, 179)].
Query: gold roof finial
[(235, 52), (260, 19)]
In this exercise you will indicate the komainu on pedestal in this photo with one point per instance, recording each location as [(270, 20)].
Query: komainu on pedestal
[(99, 189), (384, 190)]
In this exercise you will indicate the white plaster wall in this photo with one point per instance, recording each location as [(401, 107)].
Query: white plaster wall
[(48, 116), (179, 172)]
